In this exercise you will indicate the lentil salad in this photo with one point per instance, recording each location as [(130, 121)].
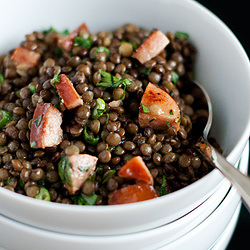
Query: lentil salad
[(93, 85)]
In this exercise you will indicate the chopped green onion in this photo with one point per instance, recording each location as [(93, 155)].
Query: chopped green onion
[(64, 168), (99, 108), (38, 120), (175, 77), (5, 117), (43, 194), (32, 88), (152, 120), (1, 79), (171, 112), (90, 140), (163, 189), (168, 123), (103, 49), (108, 176), (82, 42), (145, 108), (181, 35)]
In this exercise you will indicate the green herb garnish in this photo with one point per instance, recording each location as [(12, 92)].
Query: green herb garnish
[(5, 117), (171, 112), (55, 79), (51, 29), (7, 181), (38, 120), (1, 79), (108, 176), (175, 77), (82, 42), (146, 72), (152, 120), (43, 194), (20, 183), (168, 123), (32, 88), (99, 108), (83, 168), (58, 52), (145, 108), (83, 199), (64, 168), (90, 140), (181, 35), (103, 49), (65, 32), (110, 81), (163, 189), (107, 120)]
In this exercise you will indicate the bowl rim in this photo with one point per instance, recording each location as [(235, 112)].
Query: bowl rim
[(159, 200)]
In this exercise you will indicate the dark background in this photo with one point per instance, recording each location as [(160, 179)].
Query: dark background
[(236, 15)]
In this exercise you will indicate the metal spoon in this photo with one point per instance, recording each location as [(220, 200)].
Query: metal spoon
[(240, 181)]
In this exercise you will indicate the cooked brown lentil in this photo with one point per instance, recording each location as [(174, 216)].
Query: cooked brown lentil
[(166, 153)]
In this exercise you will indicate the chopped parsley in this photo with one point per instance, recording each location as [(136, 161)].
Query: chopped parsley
[(146, 72), (108, 176), (103, 49), (171, 112), (89, 139), (38, 120), (5, 117), (64, 168), (163, 190), (168, 123), (107, 120), (83, 168), (175, 77), (55, 79), (82, 42), (83, 199), (1, 79), (181, 35), (145, 108), (32, 88), (110, 81)]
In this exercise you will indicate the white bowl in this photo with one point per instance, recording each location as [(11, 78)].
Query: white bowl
[(219, 55), (212, 223)]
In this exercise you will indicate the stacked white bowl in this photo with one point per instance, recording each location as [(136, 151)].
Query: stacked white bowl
[(184, 219)]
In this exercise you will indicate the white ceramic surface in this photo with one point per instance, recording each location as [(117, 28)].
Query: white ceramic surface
[(200, 229), (214, 41)]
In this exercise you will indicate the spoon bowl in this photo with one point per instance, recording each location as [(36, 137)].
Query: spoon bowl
[(238, 180)]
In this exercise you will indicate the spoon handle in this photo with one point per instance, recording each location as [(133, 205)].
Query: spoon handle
[(240, 181)]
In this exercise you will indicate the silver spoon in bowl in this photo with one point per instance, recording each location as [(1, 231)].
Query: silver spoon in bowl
[(240, 181)]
